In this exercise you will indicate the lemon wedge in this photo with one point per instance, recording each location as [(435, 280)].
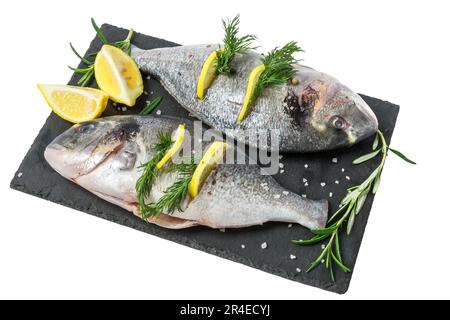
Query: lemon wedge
[(118, 75), (207, 75), (177, 137), (252, 81), (209, 161), (74, 104)]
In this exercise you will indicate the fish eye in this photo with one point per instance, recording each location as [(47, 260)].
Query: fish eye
[(338, 123), (86, 128)]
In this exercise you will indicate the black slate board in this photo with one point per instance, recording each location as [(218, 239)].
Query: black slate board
[(37, 178)]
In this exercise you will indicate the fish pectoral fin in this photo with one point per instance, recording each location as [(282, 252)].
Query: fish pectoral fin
[(167, 221)]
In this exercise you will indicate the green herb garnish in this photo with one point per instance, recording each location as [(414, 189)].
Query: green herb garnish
[(151, 106), (351, 205), (88, 72), (232, 45), (145, 181), (173, 197), (279, 67)]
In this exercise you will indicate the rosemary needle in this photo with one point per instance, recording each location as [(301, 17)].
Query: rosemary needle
[(151, 106)]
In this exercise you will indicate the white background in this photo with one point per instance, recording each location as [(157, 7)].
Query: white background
[(394, 50)]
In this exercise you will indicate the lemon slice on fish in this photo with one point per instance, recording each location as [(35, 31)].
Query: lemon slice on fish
[(252, 81), (74, 104), (178, 138), (207, 75), (209, 161), (118, 75)]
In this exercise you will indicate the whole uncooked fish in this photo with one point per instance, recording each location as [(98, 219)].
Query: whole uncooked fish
[(317, 113), (104, 156)]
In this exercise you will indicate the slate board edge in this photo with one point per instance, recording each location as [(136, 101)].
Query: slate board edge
[(338, 287)]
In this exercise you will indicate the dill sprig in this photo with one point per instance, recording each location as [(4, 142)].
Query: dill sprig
[(349, 207), (88, 72), (279, 67), (232, 44), (174, 195), (145, 181)]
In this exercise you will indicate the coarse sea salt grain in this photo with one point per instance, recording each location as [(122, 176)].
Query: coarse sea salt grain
[(306, 184), (322, 261), (323, 184), (281, 165), (334, 160), (303, 195), (264, 245), (277, 196), (151, 92), (306, 166), (322, 246), (243, 246), (124, 109), (281, 171), (148, 77), (298, 270), (290, 225), (305, 180), (158, 112), (331, 194), (146, 93), (337, 181), (347, 177), (342, 169), (19, 174), (285, 193), (280, 156), (292, 257)]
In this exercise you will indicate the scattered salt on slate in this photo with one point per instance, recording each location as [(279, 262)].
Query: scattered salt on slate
[(19, 174), (264, 245), (323, 184), (298, 270), (158, 112), (281, 171), (243, 246), (292, 257), (334, 160)]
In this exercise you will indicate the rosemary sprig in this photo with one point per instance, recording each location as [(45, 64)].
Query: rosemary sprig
[(151, 106), (279, 65), (174, 196), (145, 181), (350, 206), (88, 72), (232, 45)]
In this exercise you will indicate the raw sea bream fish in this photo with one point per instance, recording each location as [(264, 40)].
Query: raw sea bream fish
[(318, 113), (104, 155)]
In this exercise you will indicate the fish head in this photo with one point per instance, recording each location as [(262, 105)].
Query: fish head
[(335, 116), (84, 146)]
